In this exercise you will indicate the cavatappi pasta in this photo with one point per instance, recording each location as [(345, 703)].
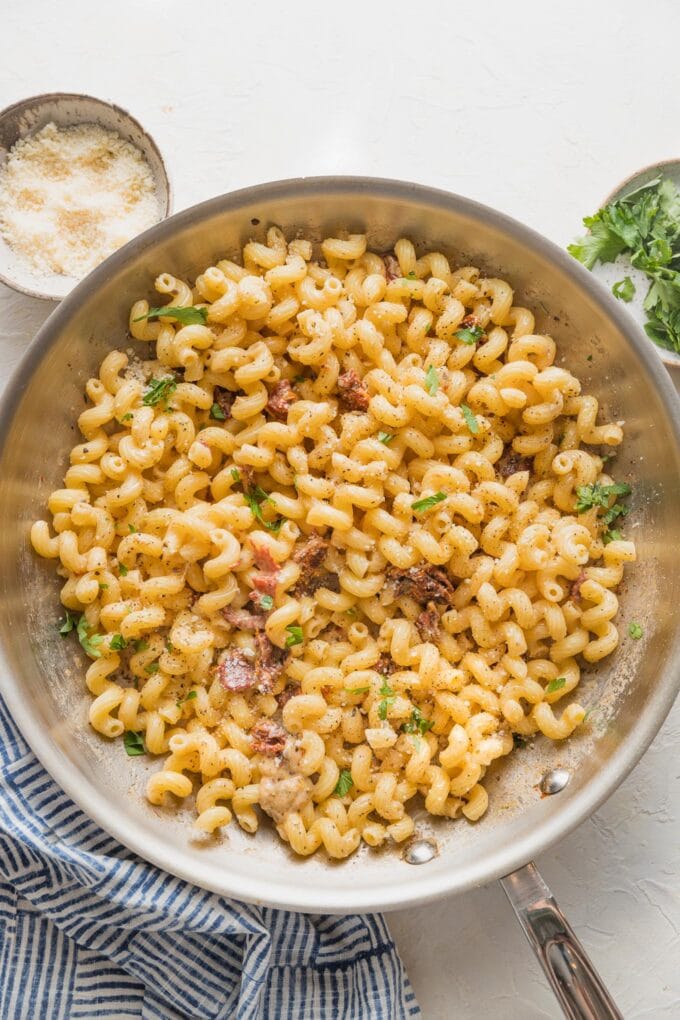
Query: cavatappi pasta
[(335, 538)]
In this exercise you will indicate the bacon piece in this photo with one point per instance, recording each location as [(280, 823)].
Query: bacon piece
[(392, 268), (311, 554), (243, 619), (470, 322), (310, 557), (280, 399), (510, 463), (386, 665), (264, 559), (269, 663), (224, 400), (236, 672), (423, 584), (264, 584), (353, 392), (287, 693), (575, 589), (428, 623), (268, 738)]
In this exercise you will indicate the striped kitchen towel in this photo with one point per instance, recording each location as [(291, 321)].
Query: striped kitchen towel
[(88, 930)]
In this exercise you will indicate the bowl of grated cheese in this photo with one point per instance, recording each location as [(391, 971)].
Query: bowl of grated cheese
[(79, 178)]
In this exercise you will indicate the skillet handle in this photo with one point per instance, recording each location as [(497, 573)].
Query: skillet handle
[(573, 978)]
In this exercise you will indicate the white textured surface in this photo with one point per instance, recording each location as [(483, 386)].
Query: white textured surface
[(534, 108)]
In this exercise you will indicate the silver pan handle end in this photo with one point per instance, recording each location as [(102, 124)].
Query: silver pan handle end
[(573, 978)]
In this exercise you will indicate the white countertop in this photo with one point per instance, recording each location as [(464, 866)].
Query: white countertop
[(534, 108)]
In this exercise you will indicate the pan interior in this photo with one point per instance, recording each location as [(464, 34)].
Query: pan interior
[(630, 691)]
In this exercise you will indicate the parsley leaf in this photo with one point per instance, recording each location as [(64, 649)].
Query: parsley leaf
[(68, 623), (140, 645), (388, 698), (470, 419), (624, 289), (295, 635), (190, 697), (255, 498), (134, 743), (217, 413), (344, 783), (267, 602), (127, 417), (635, 631), (385, 437), (117, 643), (357, 690), (236, 475), (556, 685), (90, 641), (159, 391), (428, 502), (152, 667), (469, 335), (190, 316), (601, 244), (431, 380), (123, 570), (417, 723)]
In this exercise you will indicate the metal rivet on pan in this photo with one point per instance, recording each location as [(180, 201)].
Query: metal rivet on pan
[(554, 781), (420, 851)]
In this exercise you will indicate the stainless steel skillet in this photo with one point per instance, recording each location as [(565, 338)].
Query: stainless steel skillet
[(41, 675)]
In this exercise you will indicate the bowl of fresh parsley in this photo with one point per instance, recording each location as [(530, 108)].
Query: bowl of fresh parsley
[(633, 247)]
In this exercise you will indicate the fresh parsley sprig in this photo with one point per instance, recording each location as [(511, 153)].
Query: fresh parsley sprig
[(646, 225), (89, 639), (431, 380), (344, 783), (428, 502), (388, 697), (417, 723), (295, 635), (556, 685), (597, 496), (469, 334)]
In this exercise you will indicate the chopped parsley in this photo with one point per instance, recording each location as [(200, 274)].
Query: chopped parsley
[(152, 667), (385, 437), (646, 225), (428, 502), (431, 380), (67, 624), (159, 391), (624, 289), (411, 275), (597, 496), (469, 335), (357, 690), (217, 413), (190, 697), (635, 630), (518, 740), (169, 647), (556, 685), (122, 570), (417, 723), (295, 635), (255, 497), (132, 529), (140, 645), (470, 419), (102, 587), (117, 643), (344, 783), (190, 316), (134, 743), (388, 697), (236, 475), (127, 417), (267, 602), (89, 640)]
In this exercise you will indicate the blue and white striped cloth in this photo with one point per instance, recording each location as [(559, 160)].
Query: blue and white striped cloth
[(88, 930)]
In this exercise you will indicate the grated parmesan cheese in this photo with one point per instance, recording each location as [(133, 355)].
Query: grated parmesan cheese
[(69, 197)]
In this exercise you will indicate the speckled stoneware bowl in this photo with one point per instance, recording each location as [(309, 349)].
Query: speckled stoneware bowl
[(28, 116), (610, 273)]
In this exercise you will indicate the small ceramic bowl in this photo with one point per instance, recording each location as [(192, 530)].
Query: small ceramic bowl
[(610, 273), (65, 110)]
